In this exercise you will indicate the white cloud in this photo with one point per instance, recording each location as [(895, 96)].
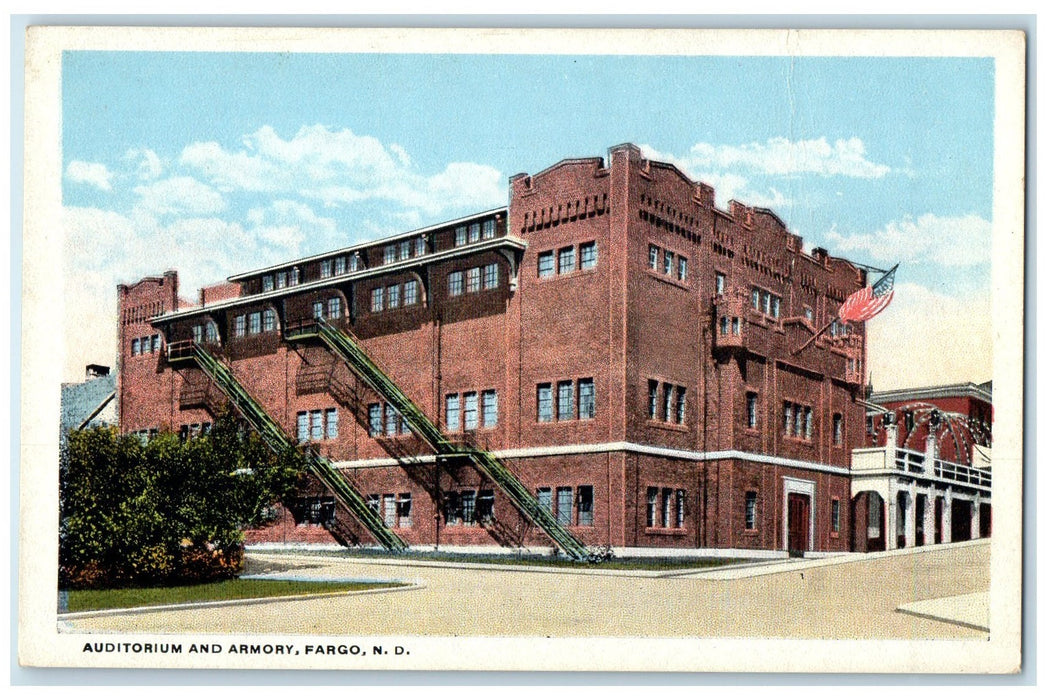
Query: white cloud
[(728, 185), (926, 338), (94, 174), (950, 241), (339, 167), (179, 195), (780, 156), (147, 164), (286, 224)]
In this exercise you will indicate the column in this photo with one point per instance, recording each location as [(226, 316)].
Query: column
[(976, 520), (910, 516), (947, 516), (890, 524), (928, 516)]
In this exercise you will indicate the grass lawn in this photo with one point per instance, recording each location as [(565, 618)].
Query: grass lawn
[(233, 589), (619, 563)]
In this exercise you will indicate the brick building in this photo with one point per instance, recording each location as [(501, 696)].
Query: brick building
[(610, 359)]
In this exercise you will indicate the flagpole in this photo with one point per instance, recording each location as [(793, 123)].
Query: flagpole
[(815, 337)]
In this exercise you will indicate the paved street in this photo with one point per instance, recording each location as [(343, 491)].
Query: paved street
[(838, 600)]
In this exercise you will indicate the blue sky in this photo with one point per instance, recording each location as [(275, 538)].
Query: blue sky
[(214, 163)]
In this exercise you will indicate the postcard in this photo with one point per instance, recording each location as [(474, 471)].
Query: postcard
[(522, 349)]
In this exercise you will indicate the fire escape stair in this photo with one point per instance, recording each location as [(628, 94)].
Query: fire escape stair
[(348, 348), (278, 441)]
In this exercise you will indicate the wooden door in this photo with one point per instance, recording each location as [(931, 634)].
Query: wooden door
[(799, 521)]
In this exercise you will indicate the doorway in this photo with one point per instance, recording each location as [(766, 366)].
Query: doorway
[(799, 523)]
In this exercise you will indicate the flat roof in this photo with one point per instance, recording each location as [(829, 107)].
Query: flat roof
[(940, 391), (368, 244)]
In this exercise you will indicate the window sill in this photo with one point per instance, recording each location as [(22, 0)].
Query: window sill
[(666, 531), (676, 427), (567, 275), (662, 277)]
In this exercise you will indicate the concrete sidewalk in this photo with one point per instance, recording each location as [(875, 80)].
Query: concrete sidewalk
[(824, 599), (970, 610)]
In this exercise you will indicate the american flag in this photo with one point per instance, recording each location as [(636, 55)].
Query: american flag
[(867, 302)]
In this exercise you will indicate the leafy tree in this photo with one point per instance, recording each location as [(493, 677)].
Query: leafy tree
[(168, 510)]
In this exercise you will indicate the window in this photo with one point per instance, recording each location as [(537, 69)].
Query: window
[(254, 323), (334, 307), (136, 347), (667, 495), (392, 420), (488, 229), (681, 508), (750, 409), (374, 419), (459, 235), (313, 511), (472, 279), (474, 232), (293, 279), (267, 283), (377, 299), (325, 269), (318, 309), (736, 325), (405, 250), (240, 326), (808, 313), (489, 400), (316, 425), (470, 413), (667, 402), (652, 505), (585, 506), (787, 418), (331, 423), (373, 502), (392, 294), (389, 254), (198, 332), (834, 513), (837, 429), (564, 505), (587, 255), (776, 304), (808, 424), (410, 293), (652, 257), (419, 245), (355, 262), (211, 332), (750, 510), (339, 265), (652, 399), (389, 510), (156, 342), (545, 498), (725, 325), (681, 268), (269, 320), (545, 264), (545, 403), (766, 296), (403, 510), (564, 400), (668, 269), (485, 506), (721, 283), (490, 276), (565, 260), (455, 284), (281, 280), (303, 426), (586, 399), (452, 413), (468, 501)]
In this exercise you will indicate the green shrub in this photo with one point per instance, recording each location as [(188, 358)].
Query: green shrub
[(167, 510)]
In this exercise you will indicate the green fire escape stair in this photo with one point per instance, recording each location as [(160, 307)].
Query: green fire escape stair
[(277, 440), (348, 348)]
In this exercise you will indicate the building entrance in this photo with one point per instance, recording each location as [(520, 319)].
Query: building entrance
[(799, 522)]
